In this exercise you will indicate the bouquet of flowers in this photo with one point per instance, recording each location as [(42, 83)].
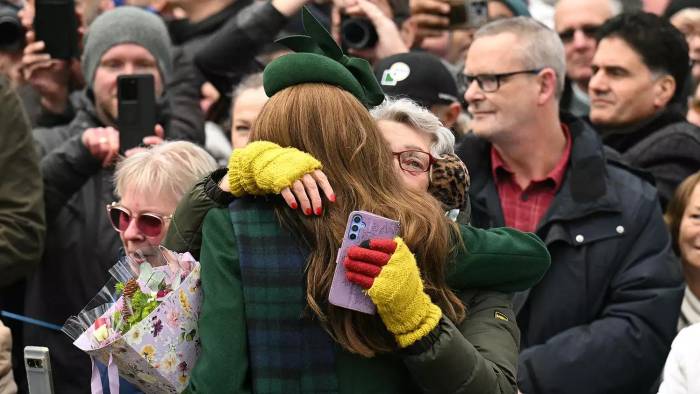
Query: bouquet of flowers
[(144, 327)]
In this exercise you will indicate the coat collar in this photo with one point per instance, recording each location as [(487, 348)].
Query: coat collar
[(586, 189)]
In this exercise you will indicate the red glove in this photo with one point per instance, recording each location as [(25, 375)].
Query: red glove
[(364, 263)]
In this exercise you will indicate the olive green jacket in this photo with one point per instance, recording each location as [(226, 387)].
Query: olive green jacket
[(22, 223)]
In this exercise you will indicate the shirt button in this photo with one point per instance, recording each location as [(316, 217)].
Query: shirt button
[(579, 238), (524, 197), (620, 230)]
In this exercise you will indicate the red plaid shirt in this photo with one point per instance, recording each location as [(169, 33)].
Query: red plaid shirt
[(523, 209)]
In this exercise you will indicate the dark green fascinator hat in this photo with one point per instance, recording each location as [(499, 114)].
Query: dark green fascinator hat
[(318, 59)]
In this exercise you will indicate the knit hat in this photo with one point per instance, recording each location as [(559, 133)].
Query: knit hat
[(517, 7), (127, 25), (318, 59), (419, 76)]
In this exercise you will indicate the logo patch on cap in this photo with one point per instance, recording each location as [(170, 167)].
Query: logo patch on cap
[(398, 72)]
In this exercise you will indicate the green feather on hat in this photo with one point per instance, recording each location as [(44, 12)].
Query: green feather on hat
[(318, 59)]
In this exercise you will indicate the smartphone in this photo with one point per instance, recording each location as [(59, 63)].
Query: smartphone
[(467, 14), (38, 365), (136, 110), (56, 24), (361, 227)]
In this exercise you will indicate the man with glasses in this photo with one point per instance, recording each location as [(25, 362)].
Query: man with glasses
[(637, 95), (603, 317), (576, 23)]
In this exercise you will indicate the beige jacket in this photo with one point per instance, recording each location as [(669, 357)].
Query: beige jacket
[(7, 380)]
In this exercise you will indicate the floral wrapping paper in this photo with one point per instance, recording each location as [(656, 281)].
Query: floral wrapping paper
[(158, 353)]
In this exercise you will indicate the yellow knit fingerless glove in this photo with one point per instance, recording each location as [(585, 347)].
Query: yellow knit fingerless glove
[(264, 167), (405, 309)]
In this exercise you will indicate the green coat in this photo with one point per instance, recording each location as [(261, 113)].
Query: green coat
[(22, 224), (477, 356)]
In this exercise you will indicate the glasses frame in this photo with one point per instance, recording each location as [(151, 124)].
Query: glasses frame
[(431, 160), (466, 80), (114, 205)]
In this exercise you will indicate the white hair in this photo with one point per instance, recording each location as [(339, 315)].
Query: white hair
[(409, 113), (169, 169), (538, 46)]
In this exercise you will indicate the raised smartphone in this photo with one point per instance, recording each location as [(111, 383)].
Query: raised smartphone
[(362, 226), (466, 14), (136, 109), (56, 24), (38, 365)]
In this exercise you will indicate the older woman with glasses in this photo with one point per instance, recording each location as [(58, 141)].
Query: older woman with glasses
[(150, 184)]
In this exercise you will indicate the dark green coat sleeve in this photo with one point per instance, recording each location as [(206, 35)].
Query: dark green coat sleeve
[(185, 230), (501, 259), (22, 222), (477, 356), (223, 364)]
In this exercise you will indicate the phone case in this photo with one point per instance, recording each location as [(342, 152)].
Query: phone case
[(344, 293), (56, 24), (38, 365), (137, 109)]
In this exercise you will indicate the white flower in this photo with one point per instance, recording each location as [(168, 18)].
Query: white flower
[(169, 362), (134, 336)]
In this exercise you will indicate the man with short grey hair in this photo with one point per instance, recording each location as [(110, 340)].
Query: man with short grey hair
[(603, 317)]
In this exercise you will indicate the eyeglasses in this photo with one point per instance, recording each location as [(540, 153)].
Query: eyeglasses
[(414, 161), (588, 30), (150, 224), (490, 83)]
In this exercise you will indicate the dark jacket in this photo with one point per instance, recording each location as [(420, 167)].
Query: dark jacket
[(189, 38), (245, 35), (80, 248), (666, 145), (603, 317)]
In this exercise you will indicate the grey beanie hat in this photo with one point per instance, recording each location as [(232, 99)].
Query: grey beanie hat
[(127, 25)]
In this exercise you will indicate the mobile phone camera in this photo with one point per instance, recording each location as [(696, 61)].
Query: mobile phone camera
[(354, 227), (353, 237), (35, 363), (128, 89), (357, 219)]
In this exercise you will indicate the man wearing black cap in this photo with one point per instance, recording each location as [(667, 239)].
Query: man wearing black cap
[(425, 79)]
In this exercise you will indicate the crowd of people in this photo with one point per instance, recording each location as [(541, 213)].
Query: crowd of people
[(542, 158)]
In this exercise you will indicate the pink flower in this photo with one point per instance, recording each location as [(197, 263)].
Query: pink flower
[(172, 317)]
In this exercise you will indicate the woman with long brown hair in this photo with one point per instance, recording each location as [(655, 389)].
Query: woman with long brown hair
[(266, 323)]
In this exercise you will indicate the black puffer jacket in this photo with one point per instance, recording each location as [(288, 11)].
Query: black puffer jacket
[(666, 145), (603, 317)]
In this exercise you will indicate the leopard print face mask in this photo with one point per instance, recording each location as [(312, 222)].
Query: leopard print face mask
[(449, 182)]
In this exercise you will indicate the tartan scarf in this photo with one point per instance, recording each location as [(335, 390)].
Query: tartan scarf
[(288, 351)]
